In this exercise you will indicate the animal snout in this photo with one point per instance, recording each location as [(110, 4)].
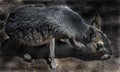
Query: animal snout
[(103, 53), (105, 56)]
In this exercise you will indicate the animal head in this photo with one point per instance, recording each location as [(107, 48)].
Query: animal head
[(97, 41)]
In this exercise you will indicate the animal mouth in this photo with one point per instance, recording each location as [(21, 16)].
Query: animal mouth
[(103, 55)]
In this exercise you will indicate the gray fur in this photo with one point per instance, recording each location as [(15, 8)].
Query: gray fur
[(35, 26), (32, 24)]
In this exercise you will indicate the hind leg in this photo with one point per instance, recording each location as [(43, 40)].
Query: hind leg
[(3, 37), (52, 54)]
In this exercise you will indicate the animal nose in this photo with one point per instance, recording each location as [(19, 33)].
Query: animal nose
[(105, 56)]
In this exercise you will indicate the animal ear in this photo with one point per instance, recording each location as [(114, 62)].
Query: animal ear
[(91, 33), (96, 22)]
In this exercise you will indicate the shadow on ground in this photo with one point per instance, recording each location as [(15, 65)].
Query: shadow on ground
[(66, 57)]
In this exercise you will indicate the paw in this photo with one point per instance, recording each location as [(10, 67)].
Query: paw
[(54, 65), (27, 57)]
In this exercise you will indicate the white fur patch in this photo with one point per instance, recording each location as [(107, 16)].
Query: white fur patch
[(100, 42)]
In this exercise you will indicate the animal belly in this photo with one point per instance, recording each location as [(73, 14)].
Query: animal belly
[(34, 42)]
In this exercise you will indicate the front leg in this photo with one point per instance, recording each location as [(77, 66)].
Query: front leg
[(52, 53)]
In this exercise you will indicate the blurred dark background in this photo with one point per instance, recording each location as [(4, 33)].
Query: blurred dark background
[(109, 10)]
